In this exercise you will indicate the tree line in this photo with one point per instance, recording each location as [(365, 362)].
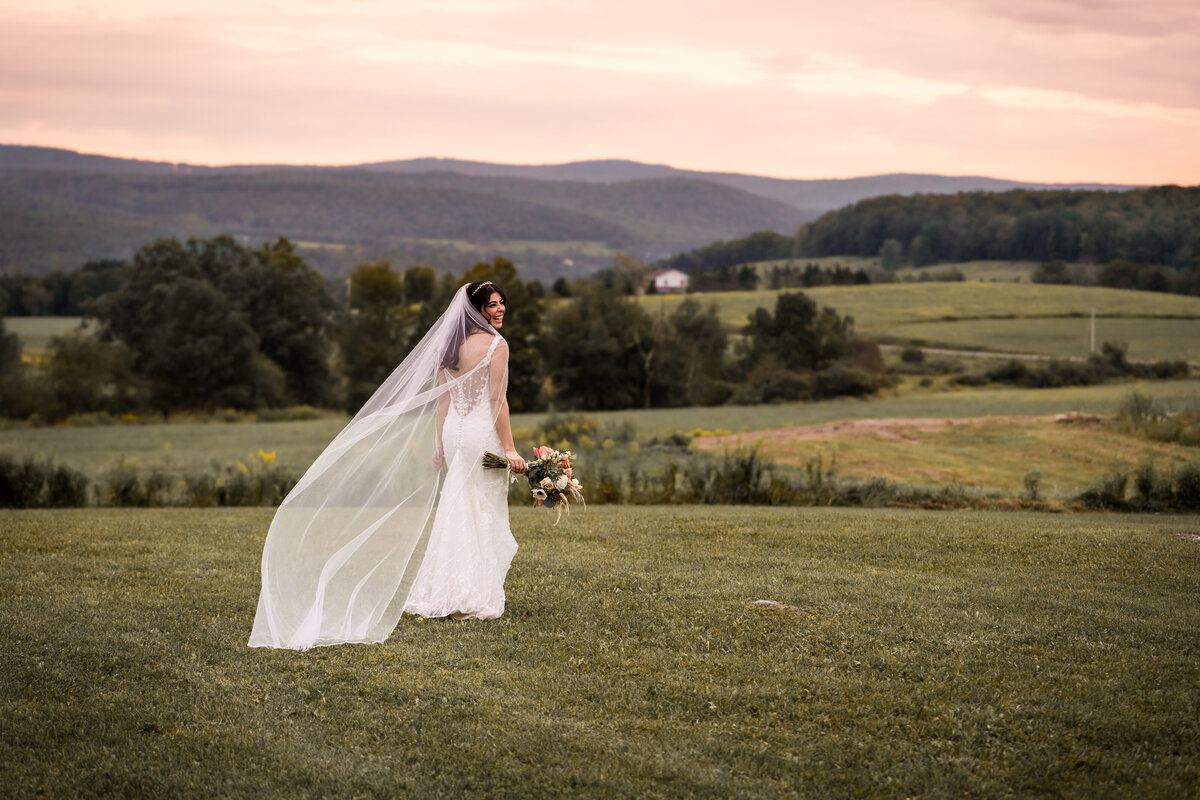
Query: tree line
[(1156, 226), (210, 324)]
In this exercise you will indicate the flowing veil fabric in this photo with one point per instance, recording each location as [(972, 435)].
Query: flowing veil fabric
[(346, 543)]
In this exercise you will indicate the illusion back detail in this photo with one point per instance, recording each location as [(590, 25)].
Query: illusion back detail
[(470, 546)]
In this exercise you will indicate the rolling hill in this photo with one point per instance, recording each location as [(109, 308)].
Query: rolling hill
[(60, 208)]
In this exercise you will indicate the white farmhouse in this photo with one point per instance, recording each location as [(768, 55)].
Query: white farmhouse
[(669, 281)]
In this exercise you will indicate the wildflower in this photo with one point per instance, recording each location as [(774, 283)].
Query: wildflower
[(266, 457)]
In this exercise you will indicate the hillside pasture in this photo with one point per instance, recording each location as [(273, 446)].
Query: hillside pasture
[(1010, 271), (909, 654), (999, 271), (186, 446), (891, 310), (36, 332), (1148, 338), (992, 454)]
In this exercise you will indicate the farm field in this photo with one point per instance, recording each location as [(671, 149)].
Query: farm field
[(985, 453), (36, 332), (917, 654), (878, 309), (189, 445), (1012, 271), (1148, 339), (1003, 316), (1017, 271)]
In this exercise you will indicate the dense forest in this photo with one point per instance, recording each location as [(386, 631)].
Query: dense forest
[(1159, 226)]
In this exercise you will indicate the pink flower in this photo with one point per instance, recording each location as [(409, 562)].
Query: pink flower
[(542, 452), (568, 472)]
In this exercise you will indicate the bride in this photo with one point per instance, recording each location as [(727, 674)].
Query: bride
[(372, 530)]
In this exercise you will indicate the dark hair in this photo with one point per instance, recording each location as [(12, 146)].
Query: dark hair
[(480, 292), (478, 295)]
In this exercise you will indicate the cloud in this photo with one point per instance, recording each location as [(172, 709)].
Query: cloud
[(787, 88)]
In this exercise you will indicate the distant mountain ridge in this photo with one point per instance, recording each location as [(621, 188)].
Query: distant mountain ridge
[(808, 195), (58, 211), (60, 208)]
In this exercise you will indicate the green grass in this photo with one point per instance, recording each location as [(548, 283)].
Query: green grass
[(991, 456), (928, 654), (1148, 339), (878, 309), (1019, 271), (1013, 271), (36, 332), (193, 445)]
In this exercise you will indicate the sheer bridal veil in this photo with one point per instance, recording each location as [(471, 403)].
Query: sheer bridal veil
[(344, 546)]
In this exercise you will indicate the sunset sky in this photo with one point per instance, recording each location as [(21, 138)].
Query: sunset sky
[(1040, 90)]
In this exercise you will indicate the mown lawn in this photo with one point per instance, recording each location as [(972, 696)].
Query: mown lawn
[(925, 654)]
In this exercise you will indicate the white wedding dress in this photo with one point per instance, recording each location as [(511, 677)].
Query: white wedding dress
[(470, 545), (373, 528)]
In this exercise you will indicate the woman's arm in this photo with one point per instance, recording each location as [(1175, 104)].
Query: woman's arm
[(498, 383)]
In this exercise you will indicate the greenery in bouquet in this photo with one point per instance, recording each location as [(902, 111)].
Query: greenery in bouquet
[(552, 483)]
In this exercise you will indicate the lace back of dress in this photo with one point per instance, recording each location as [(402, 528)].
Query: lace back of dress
[(470, 390)]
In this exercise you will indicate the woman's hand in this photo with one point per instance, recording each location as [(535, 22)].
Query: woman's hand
[(439, 459), (515, 462)]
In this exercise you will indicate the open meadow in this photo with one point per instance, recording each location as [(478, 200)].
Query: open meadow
[(1001, 316), (988, 454), (992, 454), (913, 654)]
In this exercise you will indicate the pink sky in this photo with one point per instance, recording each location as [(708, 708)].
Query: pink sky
[(1054, 90)]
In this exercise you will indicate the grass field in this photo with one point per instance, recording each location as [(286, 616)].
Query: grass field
[(192, 445), (991, 456), (878, 309), (1012, 271), (1147, 339), (922, 655), (36, 332), (1018, 271)]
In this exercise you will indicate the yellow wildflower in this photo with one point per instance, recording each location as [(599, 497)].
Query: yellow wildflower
[(267, 457)]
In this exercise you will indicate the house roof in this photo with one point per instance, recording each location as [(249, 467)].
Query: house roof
[(658, 273)]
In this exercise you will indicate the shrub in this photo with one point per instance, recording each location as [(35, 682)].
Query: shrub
[(843, 382), (1187, 487), (1152, 490), (30, 483), (1109, 495), (912, 355)]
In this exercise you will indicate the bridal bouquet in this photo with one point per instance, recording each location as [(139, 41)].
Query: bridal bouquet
[(550, 477)]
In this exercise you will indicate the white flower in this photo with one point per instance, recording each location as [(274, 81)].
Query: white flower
[(539, 494), (561, 483)]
